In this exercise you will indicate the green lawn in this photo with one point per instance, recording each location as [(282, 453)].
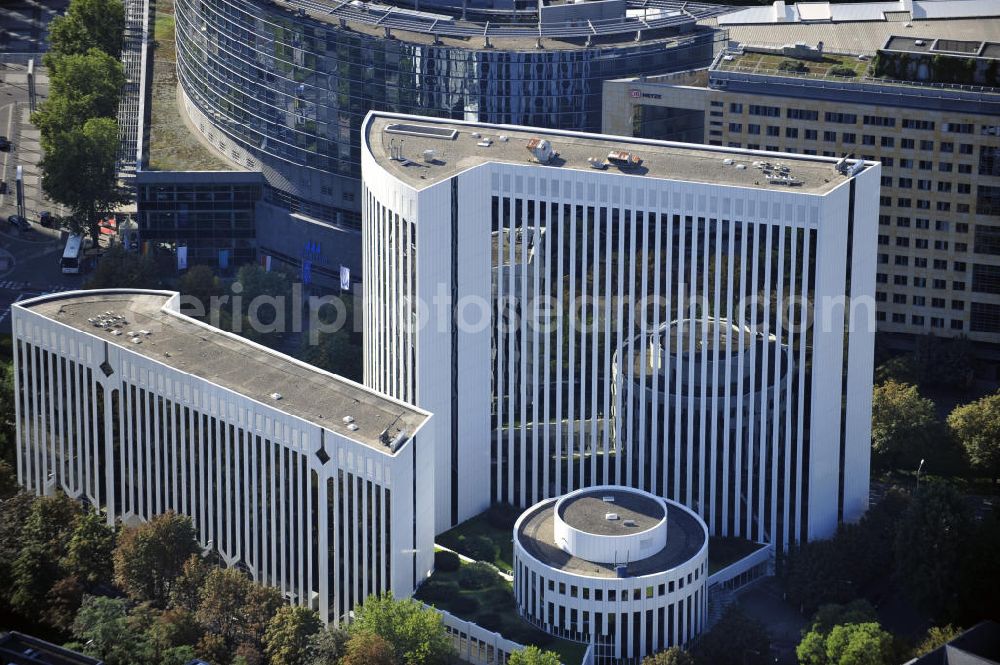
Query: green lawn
[(460, 537), (768, 63), (493, 609)]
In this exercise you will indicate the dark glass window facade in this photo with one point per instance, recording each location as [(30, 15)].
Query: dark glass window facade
[(292, 90)]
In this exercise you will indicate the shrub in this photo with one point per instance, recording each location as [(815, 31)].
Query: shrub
[(481, 548), (437, 590), (502, 516), (841, 70), (788, 65), (446, 561), (463, 605), (477, 576)]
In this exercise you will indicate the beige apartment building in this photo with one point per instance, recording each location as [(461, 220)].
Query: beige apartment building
[(921, 96)]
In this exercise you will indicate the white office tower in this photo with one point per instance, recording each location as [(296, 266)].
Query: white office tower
[(581, 310), (310, 482)]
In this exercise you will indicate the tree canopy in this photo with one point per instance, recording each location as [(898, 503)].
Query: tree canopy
[(672, 656), (532, 655), (845, 635), (86, 85), (152, 555), (288, 633), (932, 535), (736, 639), (86, 24), (903, 423), (79, 170), (415, 632), (977, 427)]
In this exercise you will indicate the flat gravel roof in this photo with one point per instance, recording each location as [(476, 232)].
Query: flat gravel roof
[(588, 511), (685, 538), (229, 361), (660, 159)]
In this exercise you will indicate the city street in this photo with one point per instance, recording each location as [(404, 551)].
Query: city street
[(29, 259)]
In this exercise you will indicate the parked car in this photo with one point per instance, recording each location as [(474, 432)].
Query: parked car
[(5, 143), (19, 222)]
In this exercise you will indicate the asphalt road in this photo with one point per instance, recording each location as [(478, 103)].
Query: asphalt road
[(29, 260)]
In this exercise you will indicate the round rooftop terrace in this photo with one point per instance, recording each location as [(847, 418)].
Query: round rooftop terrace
[(610, 531), (501, 19)]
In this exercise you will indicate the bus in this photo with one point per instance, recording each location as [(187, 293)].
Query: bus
[(70, 261)]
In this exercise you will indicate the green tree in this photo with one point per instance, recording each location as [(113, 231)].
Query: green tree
[(369, 649), (151, 556), (262, 304), (340, 350), (86, 85), (14, 511), (936, 636), (121, 269), (933, 532), (8, 480), (89, 556), (859, 644), (979, 575), (902, 422), (415, 632), (735, 640), (236, 608), (828, 616), (86, 24), (186, 589), (79, 170), (199, 285), (672, 656), (44, 544), (327, 646), (101, 627), (977, 427), (181, 655), (815, 574), (532, 655), (286, 640), (63, 601), (7, 426)]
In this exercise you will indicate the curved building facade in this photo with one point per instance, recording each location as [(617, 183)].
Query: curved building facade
[(700, 391), (619, 568), (283, 87)]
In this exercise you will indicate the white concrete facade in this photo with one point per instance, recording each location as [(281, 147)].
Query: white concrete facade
[(322, 516), (522, 414), (624, 617)]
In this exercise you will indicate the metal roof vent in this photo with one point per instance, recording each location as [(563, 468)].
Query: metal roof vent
[(353, 427), (348, 419), (611, 517), (275, 396), (629, 523), (608, 499)]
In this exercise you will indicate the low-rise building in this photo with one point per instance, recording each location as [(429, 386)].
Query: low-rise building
[(310, 482)]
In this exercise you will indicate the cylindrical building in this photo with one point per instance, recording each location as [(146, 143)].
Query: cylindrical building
[(703, 380), (283, 87), (615, 567)]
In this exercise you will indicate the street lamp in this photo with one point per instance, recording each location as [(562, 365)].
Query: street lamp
[(919, 469)]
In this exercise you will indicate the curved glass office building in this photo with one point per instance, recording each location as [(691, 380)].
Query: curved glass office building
[(283, 87)]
